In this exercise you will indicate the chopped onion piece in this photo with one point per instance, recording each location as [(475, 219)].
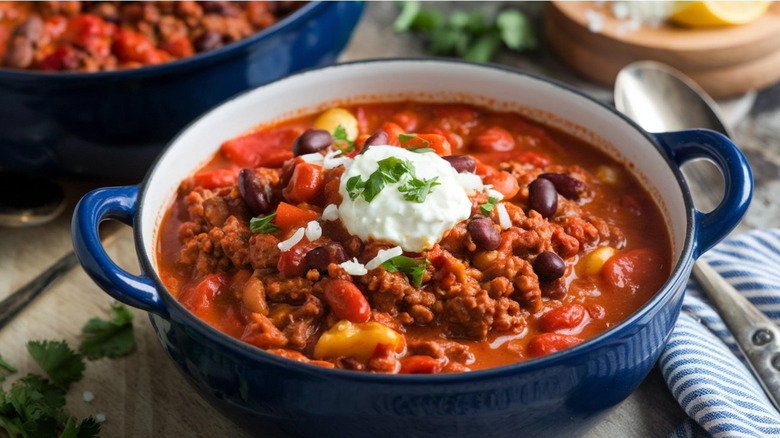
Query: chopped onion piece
[(384, 255), (313, 158), (331, 213), (503, 217), (313, 231), (334, 159), (353, 267), (292, 241), (495, 194)]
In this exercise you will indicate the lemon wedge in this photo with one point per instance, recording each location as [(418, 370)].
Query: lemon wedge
[(718, 13)]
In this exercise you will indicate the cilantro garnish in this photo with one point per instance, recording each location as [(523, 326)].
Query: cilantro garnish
[(404, 138), (113, 338), (413, 268), (342, 141), (391, 170), (487, 207), (469, 35), (263, 224), (87, 428), (61, 364), (5, 369), (420, 150), (416, 190)]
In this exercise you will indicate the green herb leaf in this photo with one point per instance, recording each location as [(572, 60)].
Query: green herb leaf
[(374, 185), (393, 169), (342, 141), (428, 19), (516, 30), (409, 11), (354, 187), (61, 364), (413, 268), (263, 224), (487, 207), (88, 428), (446, 41), (5, 369), (113, 338), (403, 138), (416, 190), (420, 150), (484, 48)]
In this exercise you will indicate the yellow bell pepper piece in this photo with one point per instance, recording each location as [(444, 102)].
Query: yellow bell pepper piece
[(356, 340), (592, 263), (335, 117)]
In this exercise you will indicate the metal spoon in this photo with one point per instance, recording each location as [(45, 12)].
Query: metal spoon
[(659, 99)]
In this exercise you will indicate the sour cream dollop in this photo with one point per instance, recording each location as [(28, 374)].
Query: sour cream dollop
[(414, 226)]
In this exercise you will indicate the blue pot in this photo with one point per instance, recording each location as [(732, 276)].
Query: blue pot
[(562, 394), (113, 124)]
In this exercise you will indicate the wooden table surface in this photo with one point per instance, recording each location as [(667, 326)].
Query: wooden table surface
[(143, 395)]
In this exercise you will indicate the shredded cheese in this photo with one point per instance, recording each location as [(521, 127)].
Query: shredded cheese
[(384, 255), (313, 231), (292, 241), (331, 213), (353, 267), (503, 217)]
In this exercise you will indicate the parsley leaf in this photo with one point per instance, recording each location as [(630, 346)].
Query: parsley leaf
[(403, 138), (342, 141), (391, 170), (413, 268), (416, 190), (59, 362), (31, 408), (263, 224), (487, 207), (420, 150), (113, 338), (409, 11), (5, 369), (87, 428), (516, 30)]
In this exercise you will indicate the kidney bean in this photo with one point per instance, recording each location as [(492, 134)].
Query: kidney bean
[(563, 317), (347, 301), (542, 197), (549, 266), (256, 193), (319, 258), (19, 53), (31, 28), (376, 139), (313, 140), (555, 290), (210, 40), (462, 163), (548, 343), (568, 186), (484, 234)]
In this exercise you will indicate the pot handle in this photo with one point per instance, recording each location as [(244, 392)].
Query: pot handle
[(96, 206), (684, 146)]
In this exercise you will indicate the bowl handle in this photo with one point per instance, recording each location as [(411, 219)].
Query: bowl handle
[(96, 206), (684, 146)]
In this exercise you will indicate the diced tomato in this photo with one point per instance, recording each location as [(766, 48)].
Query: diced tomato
[(131, 46), (64, 58), (261, 149), (199, 298), (482, 168), (392, 131), (407, 120), (533, 158), (437, 142), (563, 317), (635, 270), (213, 179), (455, 140), (291, 263), (180, 47), (420, 364), (548, 343), (504, 183), (306, 183), (289, 217), (494, 139), (90, 32), (347, 301)]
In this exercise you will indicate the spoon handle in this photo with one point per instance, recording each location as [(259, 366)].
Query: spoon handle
[(757, 336)]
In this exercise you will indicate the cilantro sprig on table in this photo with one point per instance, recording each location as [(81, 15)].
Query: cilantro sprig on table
[(413, 268), (34, 406), (391, 170), (468, 35)]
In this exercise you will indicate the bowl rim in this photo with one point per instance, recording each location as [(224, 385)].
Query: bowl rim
[(174, 66), (676, 277)]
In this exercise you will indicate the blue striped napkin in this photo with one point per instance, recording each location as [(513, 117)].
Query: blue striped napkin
[(702, 364)]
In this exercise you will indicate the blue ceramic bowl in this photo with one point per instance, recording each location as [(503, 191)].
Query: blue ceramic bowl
[(113, 124), (558, 395)]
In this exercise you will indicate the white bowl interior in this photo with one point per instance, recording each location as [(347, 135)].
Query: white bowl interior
[(421, 80)]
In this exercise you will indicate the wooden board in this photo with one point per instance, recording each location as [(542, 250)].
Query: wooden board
[(725, 61)]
